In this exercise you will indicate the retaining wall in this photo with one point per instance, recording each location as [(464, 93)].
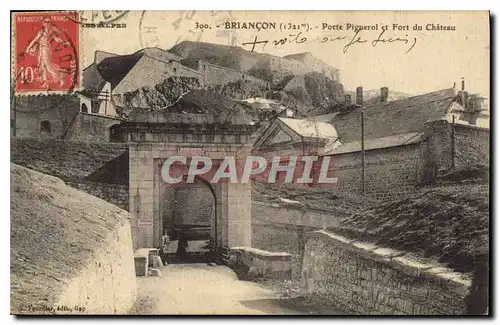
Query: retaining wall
[(362, 278), (281, 228), (107, 285)]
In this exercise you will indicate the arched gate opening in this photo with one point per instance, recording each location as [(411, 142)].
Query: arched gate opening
[(189, 218)]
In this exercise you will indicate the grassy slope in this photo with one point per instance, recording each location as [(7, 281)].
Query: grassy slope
[(442, 225), (448, 226), (310, 198), (64, 159)]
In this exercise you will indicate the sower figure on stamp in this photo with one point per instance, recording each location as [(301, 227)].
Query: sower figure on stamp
[(49, 71), (165, 243)]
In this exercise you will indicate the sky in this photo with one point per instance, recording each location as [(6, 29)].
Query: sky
[(435, 59)]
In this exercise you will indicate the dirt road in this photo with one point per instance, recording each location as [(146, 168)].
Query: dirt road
[(203, 289)]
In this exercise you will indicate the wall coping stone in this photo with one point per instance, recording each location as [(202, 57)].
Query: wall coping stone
[(404, 262), (387, 252), (299, 207), (261, 253), (142, 252)]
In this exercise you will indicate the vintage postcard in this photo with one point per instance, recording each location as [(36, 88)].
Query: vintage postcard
[(250, 162)]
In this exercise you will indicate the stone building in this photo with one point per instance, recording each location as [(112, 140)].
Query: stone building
[(42, 117), (127, 73), (408, 143), (212, 74), (73, 117), (288, 137)]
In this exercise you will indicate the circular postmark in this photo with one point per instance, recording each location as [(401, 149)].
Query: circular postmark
[(46, 53)]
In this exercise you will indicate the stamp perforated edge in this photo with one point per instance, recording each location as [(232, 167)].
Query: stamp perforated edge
[(79, 85)]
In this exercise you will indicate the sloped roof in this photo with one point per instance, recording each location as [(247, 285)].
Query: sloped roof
[(114, 69), (467, 117), (92, 79), (395, 117), (379, 143), (310, 128), (323, 118), (101, 55), (298, 56), (147, 71)]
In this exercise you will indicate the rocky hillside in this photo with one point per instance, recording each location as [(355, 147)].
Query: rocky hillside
[(157, 97), (314, 92), (310, 198), (299, 81)]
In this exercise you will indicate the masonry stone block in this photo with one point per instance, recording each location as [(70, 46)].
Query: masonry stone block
[(238, 234)]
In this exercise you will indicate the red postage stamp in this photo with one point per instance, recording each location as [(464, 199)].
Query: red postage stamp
[(46, 52)]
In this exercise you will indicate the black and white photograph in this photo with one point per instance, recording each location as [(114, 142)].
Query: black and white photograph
[(250, 163)]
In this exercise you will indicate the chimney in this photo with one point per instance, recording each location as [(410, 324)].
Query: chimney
[(384, 94), (359, 96), (348, 100)]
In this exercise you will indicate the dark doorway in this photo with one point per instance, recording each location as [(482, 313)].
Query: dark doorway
[(116, 134), (190, 223)]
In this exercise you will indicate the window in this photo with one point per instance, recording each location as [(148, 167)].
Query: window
[(85, 109), (175, 70), (114, 133), (45, 126)]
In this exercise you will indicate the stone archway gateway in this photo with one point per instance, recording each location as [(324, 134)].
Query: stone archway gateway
[(188, 210), (159, 136)]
